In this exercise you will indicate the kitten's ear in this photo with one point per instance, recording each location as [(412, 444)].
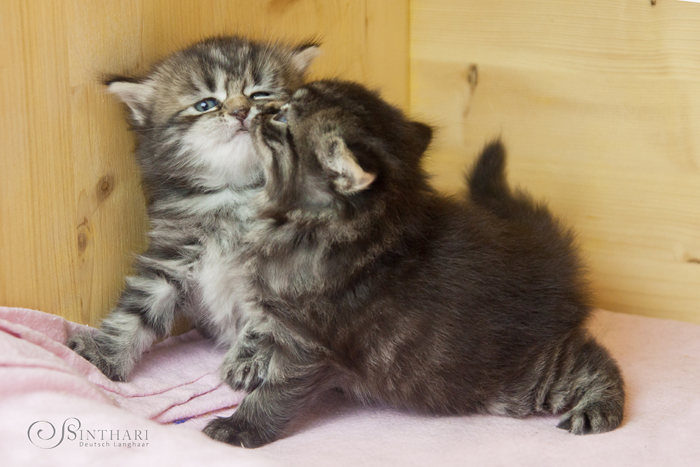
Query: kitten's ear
[(422, 134), (350, 177), (303, 55), (136, 95)]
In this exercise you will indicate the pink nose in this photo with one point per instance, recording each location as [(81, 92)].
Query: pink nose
[(241, 113)]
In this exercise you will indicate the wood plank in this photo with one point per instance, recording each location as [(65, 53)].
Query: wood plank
[(599, 105)]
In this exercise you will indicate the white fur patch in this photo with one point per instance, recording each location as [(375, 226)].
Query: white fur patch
[(223, 154), (207, 203), (222, 284), (132, 341), (161, 297)]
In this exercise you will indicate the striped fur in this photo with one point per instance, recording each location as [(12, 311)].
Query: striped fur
[(364, 278), (191, 116)]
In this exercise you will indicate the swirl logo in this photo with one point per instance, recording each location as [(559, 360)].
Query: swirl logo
[(42, 434)]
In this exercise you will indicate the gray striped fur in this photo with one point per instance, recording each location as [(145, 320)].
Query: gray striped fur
[(199, 173)]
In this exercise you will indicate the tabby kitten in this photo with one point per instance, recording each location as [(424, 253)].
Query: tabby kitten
[(365, 279), (191, 116)]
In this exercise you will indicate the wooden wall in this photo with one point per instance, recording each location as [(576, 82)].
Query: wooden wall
[(71, 210), (599, 104)]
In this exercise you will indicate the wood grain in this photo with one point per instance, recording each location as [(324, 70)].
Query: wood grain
[(599, 105), (71, 210), (598, 101)]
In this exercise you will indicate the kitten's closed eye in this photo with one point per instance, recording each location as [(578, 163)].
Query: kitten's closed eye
[(259, 95)]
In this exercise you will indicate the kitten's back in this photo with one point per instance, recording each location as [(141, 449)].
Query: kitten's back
[(536, 233)]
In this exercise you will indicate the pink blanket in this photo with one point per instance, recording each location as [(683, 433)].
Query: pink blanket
[(57, 409)]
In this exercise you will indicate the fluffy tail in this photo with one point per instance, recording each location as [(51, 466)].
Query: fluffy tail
[(487, 178), (488, 186)]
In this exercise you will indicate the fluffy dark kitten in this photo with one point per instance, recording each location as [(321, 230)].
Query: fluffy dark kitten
[(367, 280), (191, 118)]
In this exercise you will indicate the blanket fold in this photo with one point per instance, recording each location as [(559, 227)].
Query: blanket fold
[(57, 409)]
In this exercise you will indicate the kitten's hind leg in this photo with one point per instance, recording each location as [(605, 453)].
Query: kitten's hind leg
[(145, 311), (591, 385)]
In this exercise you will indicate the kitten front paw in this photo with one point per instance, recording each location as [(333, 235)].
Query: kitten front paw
[(237, 432), (246, 372), (84, 344)]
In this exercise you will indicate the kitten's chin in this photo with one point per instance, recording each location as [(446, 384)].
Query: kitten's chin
[(236, 162), (234, 134), (223, 162)]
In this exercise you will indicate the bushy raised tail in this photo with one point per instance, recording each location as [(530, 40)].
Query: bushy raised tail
[(487, 178), (489, 188)]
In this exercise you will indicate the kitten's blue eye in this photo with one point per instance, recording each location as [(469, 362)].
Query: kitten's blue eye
[(260, 95), (206, 104), (281, 117)]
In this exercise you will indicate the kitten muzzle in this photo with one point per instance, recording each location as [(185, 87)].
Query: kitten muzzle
[(241, 114)]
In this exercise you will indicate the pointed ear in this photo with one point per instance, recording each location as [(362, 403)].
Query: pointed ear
[(350, 177), (136, 95), (422, 134), (303, 55)]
